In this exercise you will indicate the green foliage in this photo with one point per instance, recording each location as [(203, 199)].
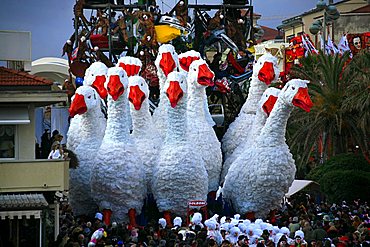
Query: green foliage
[(340, 117), (343, 177), (346, 185)]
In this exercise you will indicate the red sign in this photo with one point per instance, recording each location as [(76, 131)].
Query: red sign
[(197, 203)]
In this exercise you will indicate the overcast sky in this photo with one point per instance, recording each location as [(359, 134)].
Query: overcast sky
[(50, 21)]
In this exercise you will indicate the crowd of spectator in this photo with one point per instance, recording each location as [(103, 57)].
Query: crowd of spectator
[(299, 223)]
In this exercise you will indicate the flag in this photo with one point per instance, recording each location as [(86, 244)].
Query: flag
[(74, 54), (322, 46), (305, 46), (311, 46), (343, 45), (331, 46)]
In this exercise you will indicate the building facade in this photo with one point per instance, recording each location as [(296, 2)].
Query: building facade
[(354, 17), (29, 187)]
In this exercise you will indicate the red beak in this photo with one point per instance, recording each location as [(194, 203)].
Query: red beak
[(269, 104), (174, 93), (115, 87), (167, 64), (78, 105), (205, 76), (131, 69), (136, 97), (267, 73), (302, 99), (186, 61), (98, 85)]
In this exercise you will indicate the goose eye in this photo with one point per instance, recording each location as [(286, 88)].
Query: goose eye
[(195, 69), (293, 87), (89, 97), (92, 74), (142, 84)]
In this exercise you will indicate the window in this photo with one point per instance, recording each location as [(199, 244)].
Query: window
[(7, 141), (288, 38)]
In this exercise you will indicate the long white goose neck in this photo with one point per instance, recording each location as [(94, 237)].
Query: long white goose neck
[(196, 101), (258, 123), (117, 123), (176, 132), (273, 133), (87, 120), (162, 79), (141, 119), (255, 92)]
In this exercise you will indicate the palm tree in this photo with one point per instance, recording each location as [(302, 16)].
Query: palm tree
[(358, 98), (330, 128)]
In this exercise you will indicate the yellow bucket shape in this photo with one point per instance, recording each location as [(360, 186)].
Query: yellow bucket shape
[(166, 33)]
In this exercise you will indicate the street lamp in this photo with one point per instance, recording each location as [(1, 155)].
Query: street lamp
[(330, 14)]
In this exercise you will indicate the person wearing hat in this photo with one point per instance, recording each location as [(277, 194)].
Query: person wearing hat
[(298, 240), (294, 226), (98, 221)]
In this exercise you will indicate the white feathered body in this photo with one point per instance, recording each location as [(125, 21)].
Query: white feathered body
[(258, 180), (74, 135), (91, 125), (238, 131), (180, 175), (118, 178), (160, 114), (147, 140), (203, 137)]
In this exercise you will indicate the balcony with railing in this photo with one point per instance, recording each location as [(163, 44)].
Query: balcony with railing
[(34, 175)]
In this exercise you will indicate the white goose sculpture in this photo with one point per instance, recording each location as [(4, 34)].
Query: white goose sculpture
[(118, 178), (265, 71), (185, 60), (200, 132), (95, 76), (180, 174), (86, 103), (144, 133), (267, 100), (167, 61), (258, 180)]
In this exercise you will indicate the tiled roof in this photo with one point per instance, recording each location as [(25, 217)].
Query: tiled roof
[(365, 9), (269, 34), (9, 77), (21, 201)]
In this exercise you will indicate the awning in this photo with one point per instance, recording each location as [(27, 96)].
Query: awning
[(14, 115), (19, 205), (299, 185)]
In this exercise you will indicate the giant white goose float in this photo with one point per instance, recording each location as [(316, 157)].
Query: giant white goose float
[(185, 59), (167, 61), (86, 103), (265, 71), (180, 174), (200, 132), (265, 106), (118, 178), (144, 133), (95, 76), (259, 178)]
